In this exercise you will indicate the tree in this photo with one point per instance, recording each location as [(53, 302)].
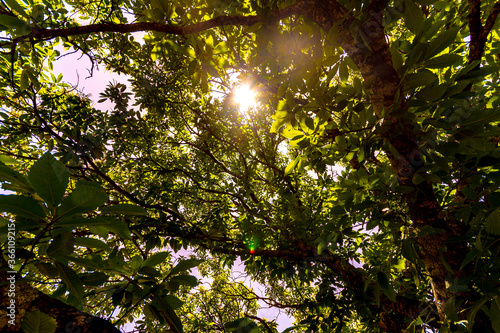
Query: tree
[(401, 95)]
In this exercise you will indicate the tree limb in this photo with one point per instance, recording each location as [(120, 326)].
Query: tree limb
[(231, 20)]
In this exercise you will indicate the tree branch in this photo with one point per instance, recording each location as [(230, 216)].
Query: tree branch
[(492, 17), (233, 20)]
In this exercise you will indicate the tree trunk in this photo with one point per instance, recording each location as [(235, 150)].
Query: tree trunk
[(69, 319)]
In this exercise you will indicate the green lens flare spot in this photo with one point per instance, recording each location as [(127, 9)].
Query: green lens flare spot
[(251, 242)]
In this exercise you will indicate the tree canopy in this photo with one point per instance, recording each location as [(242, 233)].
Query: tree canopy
[(362, 188)]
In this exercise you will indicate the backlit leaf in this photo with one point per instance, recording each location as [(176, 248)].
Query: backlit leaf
[(83, 198), (49, 179), (184, 265), (156, 259)]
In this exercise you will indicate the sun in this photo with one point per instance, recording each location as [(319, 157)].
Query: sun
[(244, 96)]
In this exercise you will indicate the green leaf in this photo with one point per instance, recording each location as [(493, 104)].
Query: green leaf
[(123, 209), (431, 93), (417, 178), (450, 310), (171, 286), (156, 259), (382, 280), (38, 322), (47, 269), (12, 22), (121, 229), (222, 47), (441, 42), (152, 312), (443, 61), (149, 271), (471, 315), (173, 301), (440, 161), (15, 6), (185, 280), (7, 160), (184, 265), (62, 245), (421, 78), (242, 325), (340, 140), (277, 124), (169, 314), (49, 179), (15, 178), (21, 206), (92, 243), (495, 313), (71, 280), (83, 198), (413, 16), (94, 279), (292, 165), (84, 262), (468, 258), (493, 222), (343, 72), (292, 133), (321, 247), (432, 178), (79, 221), (292, 329)]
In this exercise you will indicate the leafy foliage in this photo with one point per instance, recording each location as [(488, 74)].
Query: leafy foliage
[(361, 191)]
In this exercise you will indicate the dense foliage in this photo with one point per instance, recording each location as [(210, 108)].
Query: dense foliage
[(362, 190)]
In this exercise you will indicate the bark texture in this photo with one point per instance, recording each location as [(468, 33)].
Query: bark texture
[(69, 319)]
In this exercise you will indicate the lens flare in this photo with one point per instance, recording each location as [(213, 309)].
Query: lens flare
[(244, 96), (251, 242)]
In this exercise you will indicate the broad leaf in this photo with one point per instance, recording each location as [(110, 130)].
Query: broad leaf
[(169, 314), (156, 259), (83, 198), (8, 160), (292, 165), (443, 61), (493, 222), (495, 314), (186, 280), (38, 322), (49, 179), (71, 280), (12, 21), (185, 265), (21, 206), (421, 78), (242, 325), (413, 16), (14, 5), (441, 42), (94, 279), (62, 245), (17, 181)]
